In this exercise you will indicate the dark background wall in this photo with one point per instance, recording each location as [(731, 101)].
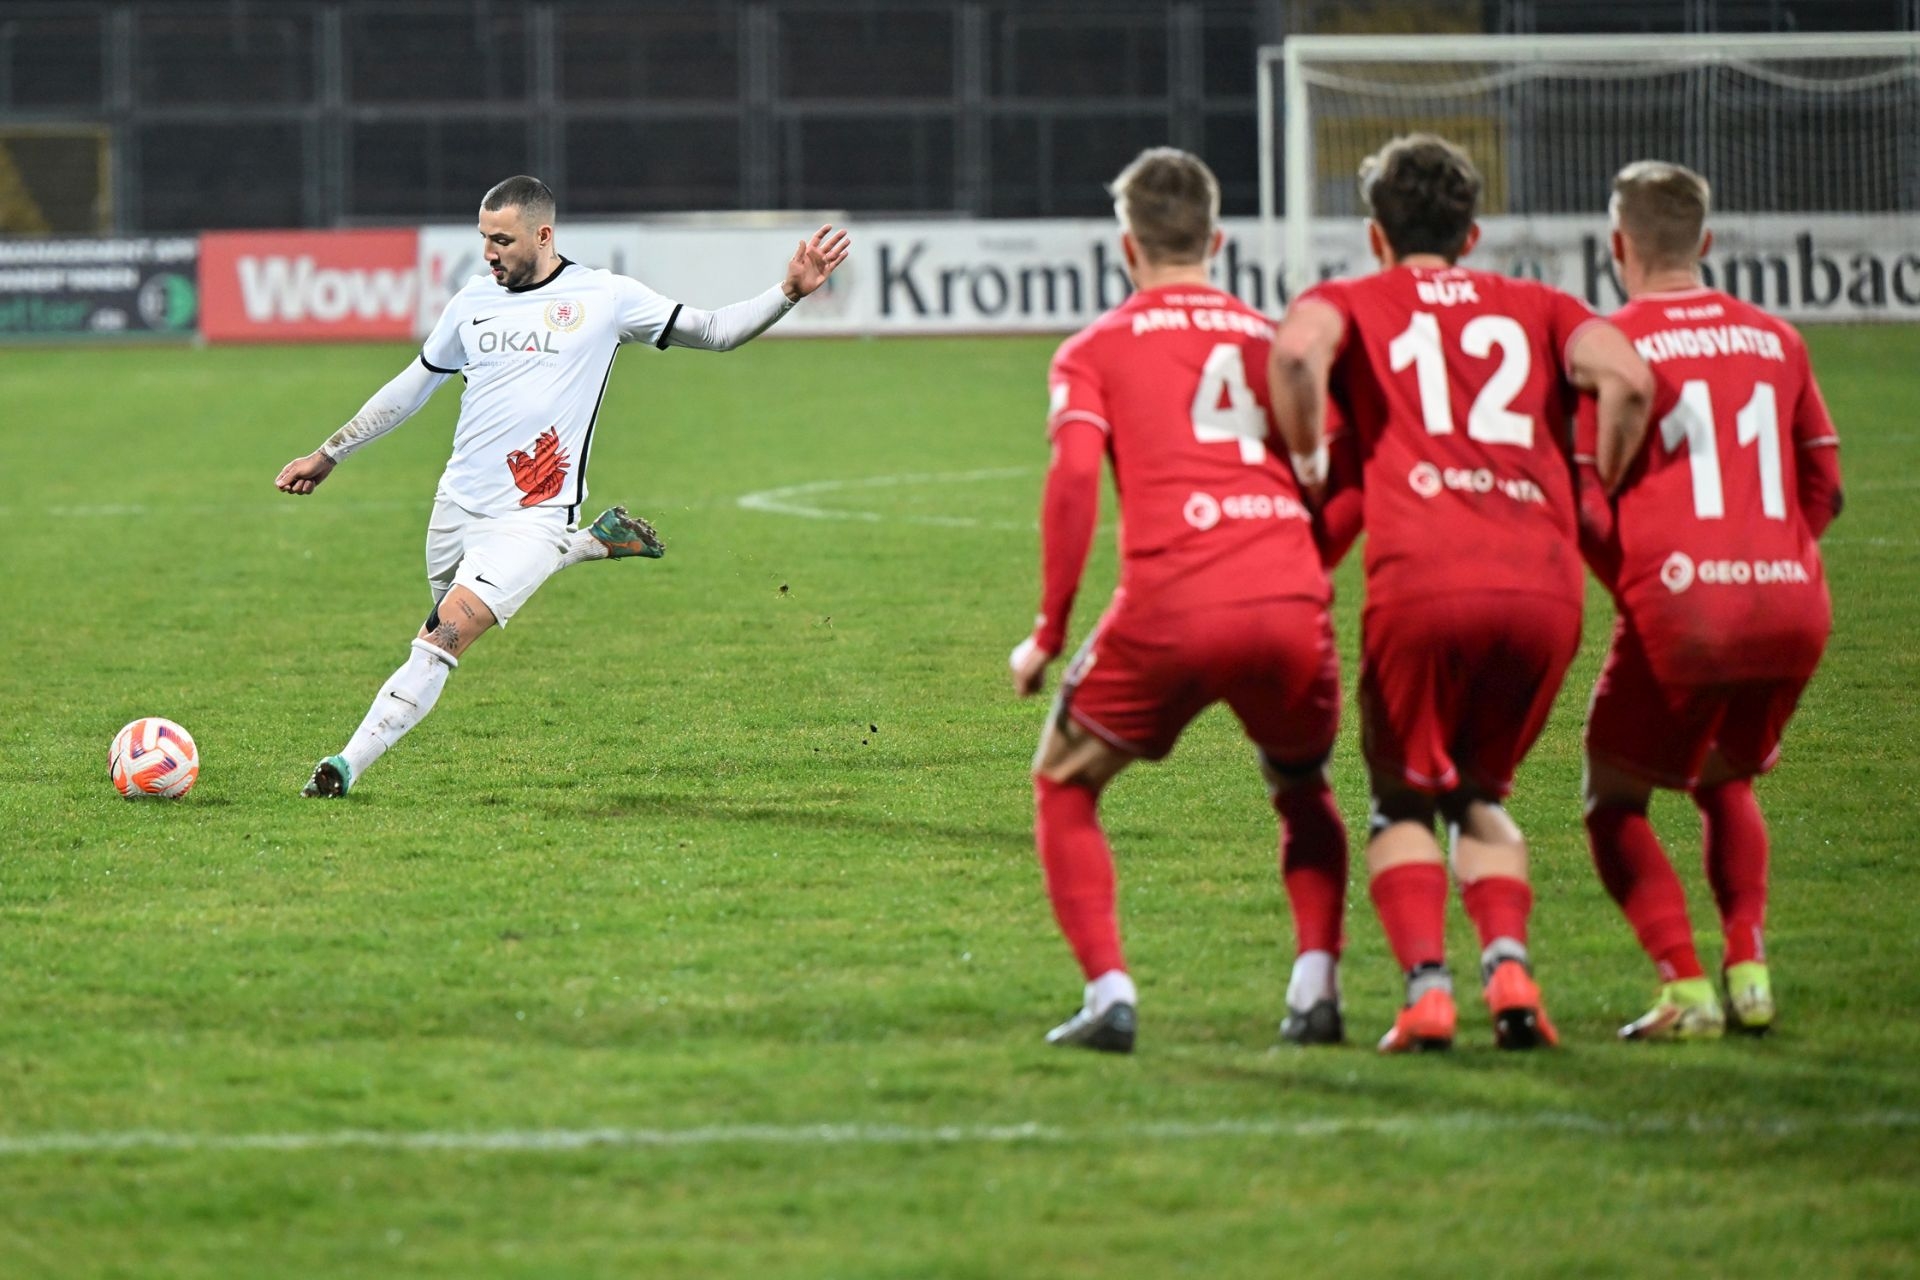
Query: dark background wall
[(246, 113)]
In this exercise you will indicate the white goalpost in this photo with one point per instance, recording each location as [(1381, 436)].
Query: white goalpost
[(1812, 144)]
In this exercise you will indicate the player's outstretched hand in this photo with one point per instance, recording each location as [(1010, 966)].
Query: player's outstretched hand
[(814, 260), (1028, 662), (303, 475)]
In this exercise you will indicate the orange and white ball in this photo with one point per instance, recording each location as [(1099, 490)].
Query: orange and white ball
[(153, 757)]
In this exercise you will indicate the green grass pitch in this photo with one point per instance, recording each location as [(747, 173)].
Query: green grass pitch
[(698, 932)]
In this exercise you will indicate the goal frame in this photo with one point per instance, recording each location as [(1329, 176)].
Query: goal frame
[(1292, 237)]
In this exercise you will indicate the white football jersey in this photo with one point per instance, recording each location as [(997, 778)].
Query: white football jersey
[(536, 362)]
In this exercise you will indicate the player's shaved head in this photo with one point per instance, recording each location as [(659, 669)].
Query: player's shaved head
[(1423, 192), (529, 195), (1662, 208), (1169, 201)]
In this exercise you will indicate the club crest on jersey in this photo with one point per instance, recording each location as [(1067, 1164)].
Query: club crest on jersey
[(565, 315)]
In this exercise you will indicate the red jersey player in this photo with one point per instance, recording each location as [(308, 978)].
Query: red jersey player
[(1723, 609), (1221, 595), (1457, 386)]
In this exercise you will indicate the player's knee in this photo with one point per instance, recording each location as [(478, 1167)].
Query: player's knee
[(1287, 775), (1608, 787), (1399, 806)]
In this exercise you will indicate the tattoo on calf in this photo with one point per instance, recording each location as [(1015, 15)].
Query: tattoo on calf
[(446, 636)]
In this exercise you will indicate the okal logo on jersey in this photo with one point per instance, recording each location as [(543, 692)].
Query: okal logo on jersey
[(565, 315), (532, 341), (539, 474)]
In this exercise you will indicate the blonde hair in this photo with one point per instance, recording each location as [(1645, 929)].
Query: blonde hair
[(1169, 201), (1662, 208)]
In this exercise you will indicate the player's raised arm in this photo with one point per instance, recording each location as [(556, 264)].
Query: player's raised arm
[(813, 260), (390, 406), (1303, 352), (1601, 360)]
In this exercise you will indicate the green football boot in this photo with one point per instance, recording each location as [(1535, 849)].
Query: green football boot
[(331, 778), (1749, 998), (626, 535), (1686, 1010)]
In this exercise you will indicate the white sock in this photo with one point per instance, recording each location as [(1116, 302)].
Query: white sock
[(1110, 988), (403, 702), (1316, 977), (582, 546)]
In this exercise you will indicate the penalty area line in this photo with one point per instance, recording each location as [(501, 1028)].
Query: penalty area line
[(795, 499), (535, 1141)]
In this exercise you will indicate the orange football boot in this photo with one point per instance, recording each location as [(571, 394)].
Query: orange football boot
[(1427, 1023), (1519, 1019)]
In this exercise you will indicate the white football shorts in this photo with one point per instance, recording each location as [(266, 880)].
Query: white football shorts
[(501, 559)]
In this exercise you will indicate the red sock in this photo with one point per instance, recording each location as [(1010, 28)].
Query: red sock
[(1313, 864), (1736, 853), (1411, 898), (1499, 907), (1079, 870), (1635, 870)]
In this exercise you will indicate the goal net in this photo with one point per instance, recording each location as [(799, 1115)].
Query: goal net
[(1811, 144)]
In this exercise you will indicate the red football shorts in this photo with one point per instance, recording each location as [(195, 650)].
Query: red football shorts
[(1140, 679), (1454, 689), (1664, 734)]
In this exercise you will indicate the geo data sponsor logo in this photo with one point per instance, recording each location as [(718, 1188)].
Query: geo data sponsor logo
[(1681, 571), (1676, 575), (1203, 511), (1428, 480)]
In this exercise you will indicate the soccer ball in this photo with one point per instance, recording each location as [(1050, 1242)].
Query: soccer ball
[(153, 757)]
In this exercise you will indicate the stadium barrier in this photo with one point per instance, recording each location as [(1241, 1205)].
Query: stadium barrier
[(1054, 275), (98, 286), (275, 286), (906, 277)]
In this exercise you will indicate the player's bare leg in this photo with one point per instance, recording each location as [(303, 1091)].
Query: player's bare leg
[(1313, 870), (1734, 836), (404, 700), (1407, 880), (1070, 770), (615, 534), (1639, 878), (1490, 863)]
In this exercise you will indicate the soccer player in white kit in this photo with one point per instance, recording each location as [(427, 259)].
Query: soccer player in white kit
[(535, 341)]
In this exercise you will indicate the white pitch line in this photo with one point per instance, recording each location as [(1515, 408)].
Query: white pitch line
[(782, 501), (121, 510), (879, 1135)]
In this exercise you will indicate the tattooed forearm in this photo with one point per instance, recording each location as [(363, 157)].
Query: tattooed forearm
[(390, 406), (367, 424)]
